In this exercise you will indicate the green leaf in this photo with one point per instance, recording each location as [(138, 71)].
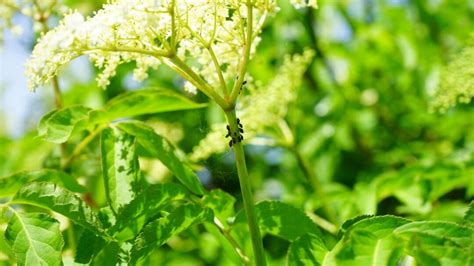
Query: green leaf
[(109, 255), (381, 226), (469, 217), (161, 230), (221, 203), (348, 223), (461, 236), (146, 205), (35, 239), (57, 199), (160, 148), (362, 247), (281, 219), (369, 241), (309, 250), (438, 243), (88, 246), (120, 167), (58, 125), (9, 185), (143, 101), (366, 198)]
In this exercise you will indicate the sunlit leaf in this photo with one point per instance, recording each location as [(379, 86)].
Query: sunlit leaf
[(469, 217), (369, 241), (143, 101), (119, 167), (438, 243), (221, 203), (146, 205), (60, 200), (35, 239), (366, 198), (9, 185), (161, 230), (162, 149), (381, 226), (58, 125), (309, 250)]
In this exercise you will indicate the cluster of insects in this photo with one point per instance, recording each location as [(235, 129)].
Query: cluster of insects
[(243, 84), (235, 136)]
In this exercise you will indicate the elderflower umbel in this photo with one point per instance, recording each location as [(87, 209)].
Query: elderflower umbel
[(199, 35), (149, 32), (457, 81)]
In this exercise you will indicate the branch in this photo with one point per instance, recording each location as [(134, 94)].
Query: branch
[(202, 84), (232, 241), (248, 46)]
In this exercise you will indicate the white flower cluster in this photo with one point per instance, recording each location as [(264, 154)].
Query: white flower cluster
[(204, 34), (202, 40), (457, 81), (263, 108)]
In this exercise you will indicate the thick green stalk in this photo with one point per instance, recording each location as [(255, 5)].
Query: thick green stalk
[(247, 194)]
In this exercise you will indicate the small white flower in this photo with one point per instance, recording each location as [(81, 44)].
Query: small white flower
[(190, 88)]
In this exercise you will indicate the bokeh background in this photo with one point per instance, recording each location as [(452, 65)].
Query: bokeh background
[(362, 119)]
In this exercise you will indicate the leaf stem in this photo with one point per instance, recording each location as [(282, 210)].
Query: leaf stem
[(219, 71), (232, 241), (328, 226), (82, 145), (246, 191), (202, 85)]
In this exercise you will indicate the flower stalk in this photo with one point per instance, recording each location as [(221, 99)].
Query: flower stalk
[(246, 190)]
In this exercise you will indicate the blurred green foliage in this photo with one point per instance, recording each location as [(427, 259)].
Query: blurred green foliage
[(362, 123)]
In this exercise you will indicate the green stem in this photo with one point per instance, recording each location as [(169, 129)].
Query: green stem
[(248, 45), (246, 190), (231, 241), (58, 101)]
